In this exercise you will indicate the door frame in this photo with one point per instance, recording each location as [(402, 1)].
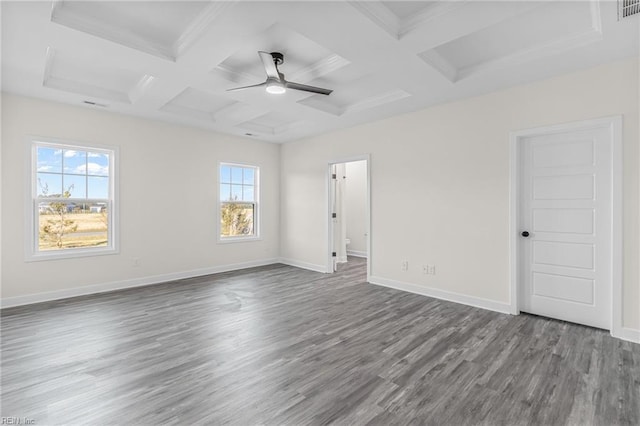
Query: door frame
[(329, 221), (614, 124)]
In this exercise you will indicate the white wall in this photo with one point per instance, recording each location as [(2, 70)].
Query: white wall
[(356, 202), (452, 163), (168, 188)]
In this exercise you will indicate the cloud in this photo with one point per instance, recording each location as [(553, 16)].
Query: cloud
[(44, 168), (96, 155), (92, 169), (70, 153)]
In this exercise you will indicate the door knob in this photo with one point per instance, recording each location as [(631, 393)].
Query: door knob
[(525, 233)]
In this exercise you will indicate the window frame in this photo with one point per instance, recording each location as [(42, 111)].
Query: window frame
[(32, 252), (257, 228)]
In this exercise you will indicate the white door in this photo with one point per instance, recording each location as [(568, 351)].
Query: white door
[(565, 207)]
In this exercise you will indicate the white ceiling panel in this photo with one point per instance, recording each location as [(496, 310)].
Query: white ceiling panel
[(74, 74), (197, 104), (154, 27), (541, 27), (272, 123), (407, 9)]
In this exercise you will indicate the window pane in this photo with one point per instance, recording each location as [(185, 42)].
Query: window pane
[(236, 193), (65, 225), (225, 174), (49, 160), (49, 185), (76, 185), (247, 193), (97, 164), (225, 192), (249, 175), (75, 161), (98, 187), (236, 175), (236, 219)]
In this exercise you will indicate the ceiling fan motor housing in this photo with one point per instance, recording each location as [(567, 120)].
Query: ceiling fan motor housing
[(278, 58)]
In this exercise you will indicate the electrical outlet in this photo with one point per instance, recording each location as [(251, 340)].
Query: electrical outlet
[(429, 269), (404, 266)]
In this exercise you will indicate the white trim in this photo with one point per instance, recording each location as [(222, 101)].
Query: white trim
[(441, 64), (303, 265), (238, 239), (380, 15), (615, 124), (514, 211), (130, 283), (328, 223), (617, 208), (324, 66), (376, 100), (198, 26), (31, 252), (140, 88), (421, 18), (357, 253), (628, 334), (95, 27), (542, 50), (449, 296), (555, 48)]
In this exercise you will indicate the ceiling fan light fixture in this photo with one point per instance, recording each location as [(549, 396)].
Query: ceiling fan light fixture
[(275, 88)]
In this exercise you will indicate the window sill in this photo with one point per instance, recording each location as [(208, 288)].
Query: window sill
[(70, 254), (229, 240)]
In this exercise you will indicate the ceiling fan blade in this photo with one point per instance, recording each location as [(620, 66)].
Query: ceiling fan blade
[(247, 87), (305, 88), (269, 66)]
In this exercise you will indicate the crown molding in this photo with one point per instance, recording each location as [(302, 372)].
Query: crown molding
[(543, 50), (437, 61), (199, 25), (380, 15), (324, 66), (429, 13), (58, 83), (61, 15), (233, 75), (141, 87), (377, 100), (555, 47)]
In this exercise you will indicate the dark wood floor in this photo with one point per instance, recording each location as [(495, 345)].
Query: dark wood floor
[(278, 345)]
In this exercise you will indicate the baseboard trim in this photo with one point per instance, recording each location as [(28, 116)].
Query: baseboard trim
[(30, 299), (303, 265), (629, 334), (356, 253), (477, 302)]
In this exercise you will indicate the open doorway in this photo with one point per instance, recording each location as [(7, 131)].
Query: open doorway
[(349, 212)]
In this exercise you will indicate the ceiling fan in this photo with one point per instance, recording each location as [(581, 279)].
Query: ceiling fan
[(275, 83)]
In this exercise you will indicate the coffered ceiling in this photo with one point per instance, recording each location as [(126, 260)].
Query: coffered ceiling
[(175, 60)]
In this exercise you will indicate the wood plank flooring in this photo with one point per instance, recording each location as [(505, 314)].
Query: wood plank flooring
[(278, 345)]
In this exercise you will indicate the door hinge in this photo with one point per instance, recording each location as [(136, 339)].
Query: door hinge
[(334, 215), (333, 176), (333, 254)]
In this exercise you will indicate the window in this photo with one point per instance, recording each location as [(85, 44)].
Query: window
[(238, 202), (72, 201)]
